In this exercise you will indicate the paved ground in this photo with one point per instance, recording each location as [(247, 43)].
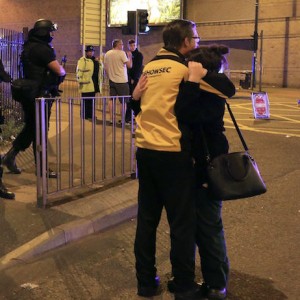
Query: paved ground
[(262, 232)]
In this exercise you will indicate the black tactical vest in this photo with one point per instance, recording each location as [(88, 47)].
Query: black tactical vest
[(46, 79)]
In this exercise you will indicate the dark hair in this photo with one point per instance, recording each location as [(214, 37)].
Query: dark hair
[(211, 57), (131, 41), (176, 31)]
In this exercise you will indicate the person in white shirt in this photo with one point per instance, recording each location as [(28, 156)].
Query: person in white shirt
[(116, 62)]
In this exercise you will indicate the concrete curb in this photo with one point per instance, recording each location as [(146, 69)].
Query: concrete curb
[(66, 233)]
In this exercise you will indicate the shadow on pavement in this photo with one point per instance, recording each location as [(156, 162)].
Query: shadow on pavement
[(247, 287)]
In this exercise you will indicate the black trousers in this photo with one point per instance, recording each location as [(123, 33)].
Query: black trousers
[(165, 181), (128, 105), (28, 133), (210, 239), (88, 105)]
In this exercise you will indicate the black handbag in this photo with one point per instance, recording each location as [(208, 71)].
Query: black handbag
[(234, 175)]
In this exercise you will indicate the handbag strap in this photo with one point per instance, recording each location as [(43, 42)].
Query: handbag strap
[(205, 146), (237, 127)]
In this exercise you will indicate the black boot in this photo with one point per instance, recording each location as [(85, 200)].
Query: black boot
[(4, 193), (9, 161)]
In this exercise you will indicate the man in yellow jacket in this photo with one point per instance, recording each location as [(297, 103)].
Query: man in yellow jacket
[(89, 74)]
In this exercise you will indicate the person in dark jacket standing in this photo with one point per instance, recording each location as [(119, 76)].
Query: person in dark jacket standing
[(204, 111), (39, 63), (4, 192), (134, 73)]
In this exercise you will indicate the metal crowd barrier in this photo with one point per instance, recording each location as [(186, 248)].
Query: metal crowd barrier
[(11, 43), (84, 153)]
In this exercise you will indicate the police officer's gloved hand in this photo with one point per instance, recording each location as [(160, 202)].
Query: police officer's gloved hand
[(61, 79)]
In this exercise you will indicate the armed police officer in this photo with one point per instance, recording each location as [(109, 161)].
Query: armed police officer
[(39, 63)]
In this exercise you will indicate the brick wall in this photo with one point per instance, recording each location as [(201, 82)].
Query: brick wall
[(278, 21)]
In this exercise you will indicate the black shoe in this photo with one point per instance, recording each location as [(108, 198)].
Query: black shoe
[(191, 294), (5, 193), (213, 293), (149, 291), (172, 286), (9, 161), (194, 293)]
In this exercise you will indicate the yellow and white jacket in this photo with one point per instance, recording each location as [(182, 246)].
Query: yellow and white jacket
[(84, 73)]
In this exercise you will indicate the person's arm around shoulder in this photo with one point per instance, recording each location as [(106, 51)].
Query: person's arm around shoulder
[(190, 89), (189, 93), (196, 71), (220, 82)]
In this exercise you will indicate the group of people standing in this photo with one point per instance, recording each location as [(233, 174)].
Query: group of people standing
[(179, 99), (123, 70), (39, 63)]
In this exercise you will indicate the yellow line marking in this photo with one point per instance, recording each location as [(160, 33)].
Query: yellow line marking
[(244, 127)]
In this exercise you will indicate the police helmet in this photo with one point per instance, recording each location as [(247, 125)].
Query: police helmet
[(45, 25)]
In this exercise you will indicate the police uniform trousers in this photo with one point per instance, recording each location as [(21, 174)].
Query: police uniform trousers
[(165, 180), (87, 108)]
